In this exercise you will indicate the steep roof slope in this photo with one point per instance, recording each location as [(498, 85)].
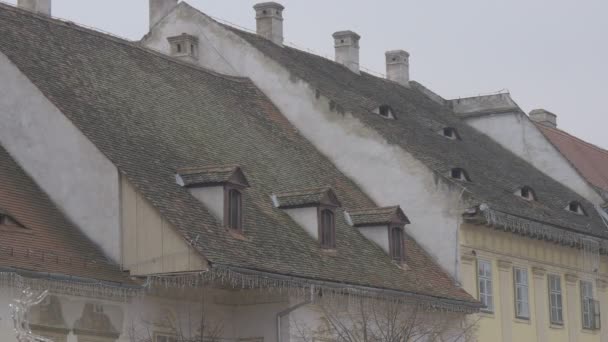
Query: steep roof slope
[(152, 115), (590, 160), (495, 172), (45, 240)]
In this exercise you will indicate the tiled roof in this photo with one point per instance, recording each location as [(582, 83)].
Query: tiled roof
[(495, 171), (152, 115), (47, 242), (590, 160), (377, 216), (306, 197)]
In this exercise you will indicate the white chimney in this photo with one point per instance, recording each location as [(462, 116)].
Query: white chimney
[(159, 9), (544, 117), (269, 21), (37, 6), (347, 49), (398, 66)]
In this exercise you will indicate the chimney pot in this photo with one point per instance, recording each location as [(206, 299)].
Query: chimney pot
[(159, 9), (37, 6), (544, 117), (269, 21), (347, 49), (398, 66)]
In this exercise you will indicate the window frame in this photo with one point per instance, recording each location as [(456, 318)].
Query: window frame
[(391, 242), (588, 306), (559, 296), (519, 287), (488, 280), (228, 189), (322, 228)]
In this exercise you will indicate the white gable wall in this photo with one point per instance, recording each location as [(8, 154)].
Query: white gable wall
[(517, 133), (385, 172), (77, 177)]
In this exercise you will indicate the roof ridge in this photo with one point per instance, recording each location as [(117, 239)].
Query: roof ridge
[(564, 133), (120, 40)]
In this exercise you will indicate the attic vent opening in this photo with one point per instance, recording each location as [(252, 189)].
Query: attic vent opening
[(450, 133), (460, 174), (385, 111), (575, 207), (526, 193)]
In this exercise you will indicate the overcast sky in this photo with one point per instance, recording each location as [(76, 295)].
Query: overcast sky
[(550, 54)]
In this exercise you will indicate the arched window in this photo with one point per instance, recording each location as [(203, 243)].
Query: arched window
[(235, 210), (327, 229), (396, 243)]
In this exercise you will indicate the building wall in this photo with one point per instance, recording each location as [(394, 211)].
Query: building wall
[(65, 164), (151, 245), (506, 250), (432, 206), (517, 133)]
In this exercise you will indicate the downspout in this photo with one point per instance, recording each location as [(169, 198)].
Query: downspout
[(291, 309)]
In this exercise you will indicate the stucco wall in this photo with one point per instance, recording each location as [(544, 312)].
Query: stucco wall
[(378, 234), (213, 198), (65, 164), (518, 134), (307, 219), (432, 206)]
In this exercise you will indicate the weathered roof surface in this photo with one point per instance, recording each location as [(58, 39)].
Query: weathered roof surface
[(590, 160), (377, 216), (495, 172), (306, 197), (47, 242), (196, 176), (152, 115)]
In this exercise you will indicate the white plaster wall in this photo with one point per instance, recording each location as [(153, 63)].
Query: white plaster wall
[(307, 218), (377, 234), (517, 133), (429, 203), (213, 198), (64, 163)]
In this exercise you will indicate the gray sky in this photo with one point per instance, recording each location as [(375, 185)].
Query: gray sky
[(550, 54)]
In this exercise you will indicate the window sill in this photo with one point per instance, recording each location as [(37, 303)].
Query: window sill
[(522, 320), (487, 314), (556, 326), (590, 331)]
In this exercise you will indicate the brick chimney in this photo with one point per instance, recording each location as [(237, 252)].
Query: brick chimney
[(544, 117), (159, 9), (269, 21), (347, 49), (398, 67), (37, 6)]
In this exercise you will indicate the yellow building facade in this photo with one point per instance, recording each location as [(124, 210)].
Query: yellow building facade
[(535, 290)]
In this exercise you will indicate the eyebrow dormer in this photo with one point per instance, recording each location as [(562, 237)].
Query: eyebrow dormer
[(459, 174), (220, 188), (450, 133), (576, 207), (383, 226), (526, 193), (384, 111), (7, 221), (314, 210)]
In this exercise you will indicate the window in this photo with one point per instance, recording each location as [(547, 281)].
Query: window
[(385, 111), (327, 229), (460, 174), (522, 305), (484, 275), (526, 193), (235, 210), (396, 243), (98, 308), (556, 314), (576, 208), (590, 307), (450, 133), (179, 48)]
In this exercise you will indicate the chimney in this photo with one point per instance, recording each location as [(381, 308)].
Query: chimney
[(398, 66), (544, 117), (159, 9), (37, 6), (269, 21), (347, 49)]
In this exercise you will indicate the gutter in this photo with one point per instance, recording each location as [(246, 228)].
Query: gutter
[(66, 278)]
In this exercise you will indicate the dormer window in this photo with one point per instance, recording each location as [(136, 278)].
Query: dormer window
[(327, 229), (8, 221), (575, 207), (526, 193), (450, 133), (220, 189), (305, 205), (459, 174), (184, 46), (383, 226), (384, 111)]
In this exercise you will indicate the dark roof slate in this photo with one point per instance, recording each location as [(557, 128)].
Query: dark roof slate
[(152, 115), (494, 170)]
